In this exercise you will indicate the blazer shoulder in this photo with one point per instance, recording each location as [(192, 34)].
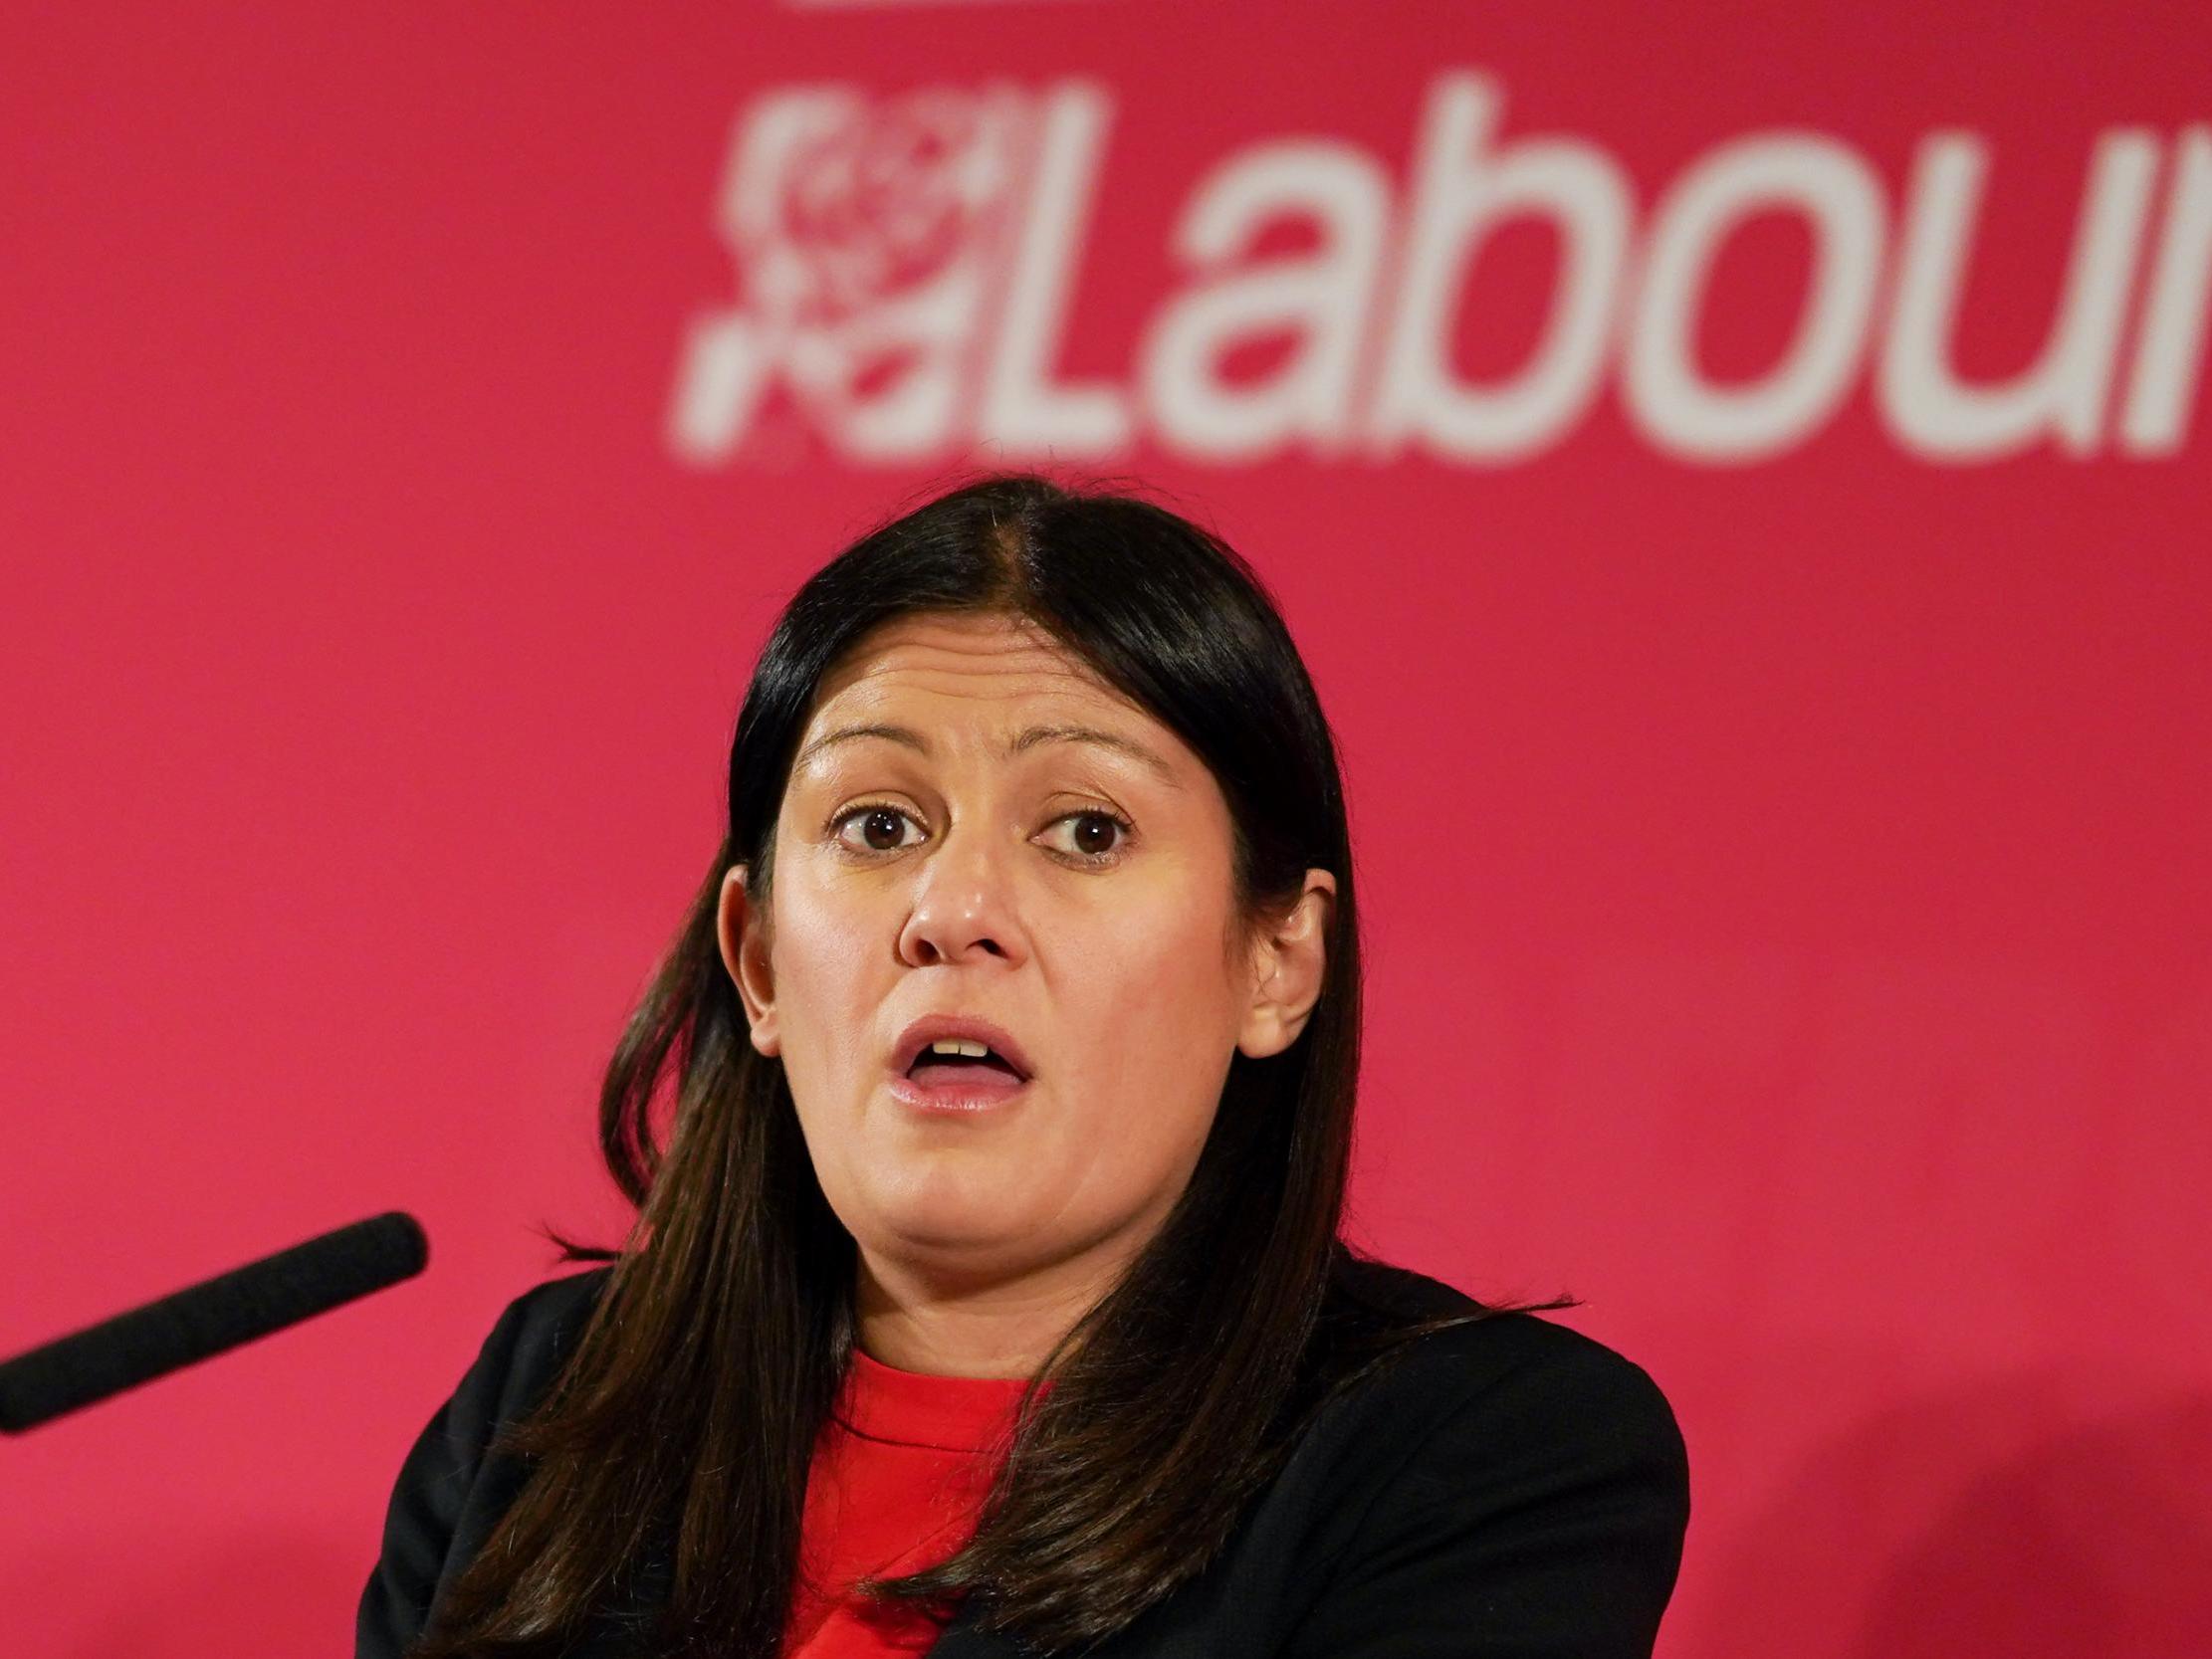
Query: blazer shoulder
[(551, 1314), (1521, 1372), (1368, 1282), (1500, 1373), (529, 1341), (1504, 1484), (451, 1488)]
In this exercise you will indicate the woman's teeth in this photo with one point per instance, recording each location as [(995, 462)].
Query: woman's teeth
[(953, 1050)]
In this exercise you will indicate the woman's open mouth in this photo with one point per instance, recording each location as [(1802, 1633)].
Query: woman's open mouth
[(957, 1081)]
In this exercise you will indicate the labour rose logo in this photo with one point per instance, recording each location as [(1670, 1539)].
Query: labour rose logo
[(864, 232), (885, 203)]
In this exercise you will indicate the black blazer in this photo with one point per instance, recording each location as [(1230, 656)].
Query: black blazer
[(1507, 1487)]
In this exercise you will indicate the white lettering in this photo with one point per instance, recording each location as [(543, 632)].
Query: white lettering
[(1021, 413), (2169, 350), (906, 267), (1666, 394), (1327, 297), (2063, 391), (1457, 195)]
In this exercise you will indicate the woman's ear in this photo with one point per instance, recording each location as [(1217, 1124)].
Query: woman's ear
[(1289, 961), (742, 937)]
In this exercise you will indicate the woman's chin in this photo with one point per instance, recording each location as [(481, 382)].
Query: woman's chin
[(961, 1221)]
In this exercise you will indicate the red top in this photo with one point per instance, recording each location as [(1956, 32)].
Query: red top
[(897, 1476)]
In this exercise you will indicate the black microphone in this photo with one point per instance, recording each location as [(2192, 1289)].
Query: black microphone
[(206, 1318)]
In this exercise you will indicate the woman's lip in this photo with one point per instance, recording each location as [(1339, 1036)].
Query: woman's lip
[(931, 1028), (956, 1097)]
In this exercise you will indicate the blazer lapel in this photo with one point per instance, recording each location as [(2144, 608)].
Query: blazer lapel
[(961, 1640)]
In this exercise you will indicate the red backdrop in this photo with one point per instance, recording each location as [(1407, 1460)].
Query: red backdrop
[(1739, 479)]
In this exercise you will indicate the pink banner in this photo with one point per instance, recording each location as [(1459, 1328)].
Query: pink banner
[(1739, 478)]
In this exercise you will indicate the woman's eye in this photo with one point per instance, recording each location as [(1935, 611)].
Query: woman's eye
[(879, 827), (1099, 834)]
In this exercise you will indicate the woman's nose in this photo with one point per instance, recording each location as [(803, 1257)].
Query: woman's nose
[(963, 902)]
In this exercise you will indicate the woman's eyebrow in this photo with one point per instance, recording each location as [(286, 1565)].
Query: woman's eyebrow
[(1019, 743)]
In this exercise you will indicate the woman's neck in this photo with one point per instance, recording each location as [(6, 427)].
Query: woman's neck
[(923, 1320)]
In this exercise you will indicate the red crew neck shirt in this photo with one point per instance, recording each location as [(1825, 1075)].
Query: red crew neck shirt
[(898, 1474)]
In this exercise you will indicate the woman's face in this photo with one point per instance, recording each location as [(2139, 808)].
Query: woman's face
[(988, 878)]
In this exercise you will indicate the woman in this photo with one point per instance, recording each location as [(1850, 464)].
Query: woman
[(985, 1296)]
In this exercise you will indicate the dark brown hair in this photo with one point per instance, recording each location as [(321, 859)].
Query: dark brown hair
[(668, 1459)]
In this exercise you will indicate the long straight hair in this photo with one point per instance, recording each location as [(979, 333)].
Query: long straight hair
[(668, 1458)]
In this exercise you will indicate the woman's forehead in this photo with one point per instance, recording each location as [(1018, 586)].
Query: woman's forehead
[(988, 692), (981, 671)]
